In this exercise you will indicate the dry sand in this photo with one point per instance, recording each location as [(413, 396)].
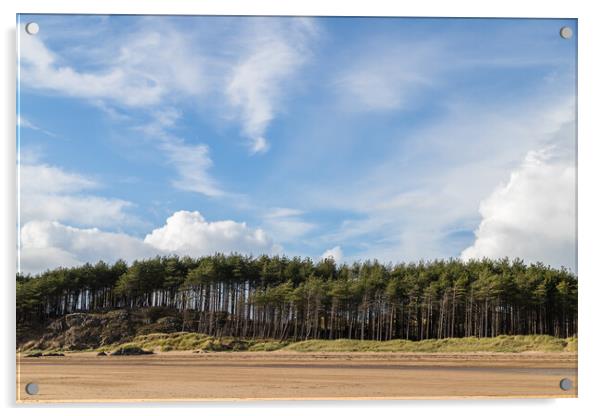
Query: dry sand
[(184, 376)]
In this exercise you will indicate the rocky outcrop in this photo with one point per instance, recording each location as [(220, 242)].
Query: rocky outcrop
[(81, 331)]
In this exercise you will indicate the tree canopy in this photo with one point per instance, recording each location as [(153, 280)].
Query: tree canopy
[(294, 298)]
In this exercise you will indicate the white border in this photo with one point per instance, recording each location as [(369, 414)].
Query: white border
[(590, 207)]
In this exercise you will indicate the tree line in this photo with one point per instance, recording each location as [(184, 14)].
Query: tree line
[(293, 298)]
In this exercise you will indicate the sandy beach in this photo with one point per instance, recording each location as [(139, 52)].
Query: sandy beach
[(185, 376)]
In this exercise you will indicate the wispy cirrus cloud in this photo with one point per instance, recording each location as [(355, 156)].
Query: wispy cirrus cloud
[(150, 66), (387, 80), (161, 70), (52, 193), (271, 55), (421, 203), (287, 224), (160, 65), (147, 67), (387, 147), (23, 122), (192, 162)]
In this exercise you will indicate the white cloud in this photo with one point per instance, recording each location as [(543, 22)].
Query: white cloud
[(187, 232), (335, 253), (160, 67), (76, 209), (259, 145), (49, 196), (283, 212), (51, 193), (50, 244), (422, 201), (23, 122), (38, 259), (287, 224), (149, 64), (50, 179), (192, 162), (380, 75), (381, 87), (390, 79), (159, 64), (533, 215), (27, 124), (271, 57)]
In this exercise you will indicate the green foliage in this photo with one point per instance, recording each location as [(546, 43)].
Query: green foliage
[(267, 346), (571, 344), (502, 343), (204, 343), (291, 299), (131, 349)]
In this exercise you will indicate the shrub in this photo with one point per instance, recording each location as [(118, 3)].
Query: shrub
[(131, 349)]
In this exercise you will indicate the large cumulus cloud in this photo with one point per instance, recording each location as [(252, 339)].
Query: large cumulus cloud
[(50, 244), (533, 215)]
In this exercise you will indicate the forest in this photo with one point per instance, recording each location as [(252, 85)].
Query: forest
[(297, 299)]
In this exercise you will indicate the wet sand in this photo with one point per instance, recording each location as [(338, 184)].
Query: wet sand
[(184, 376)]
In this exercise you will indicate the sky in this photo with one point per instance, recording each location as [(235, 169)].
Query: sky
[(397, 139)]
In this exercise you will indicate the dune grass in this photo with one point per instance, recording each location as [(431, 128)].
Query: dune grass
[(502, 343), (191, 341), (185, 341), (131, 349)]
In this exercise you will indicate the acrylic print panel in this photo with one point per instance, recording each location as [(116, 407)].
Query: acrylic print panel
[(224, 208)]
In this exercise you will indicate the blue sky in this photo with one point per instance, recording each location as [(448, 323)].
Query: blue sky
[(391, 138)]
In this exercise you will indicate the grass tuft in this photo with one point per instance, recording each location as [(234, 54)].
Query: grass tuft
[(504, 343), (189, 341)]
